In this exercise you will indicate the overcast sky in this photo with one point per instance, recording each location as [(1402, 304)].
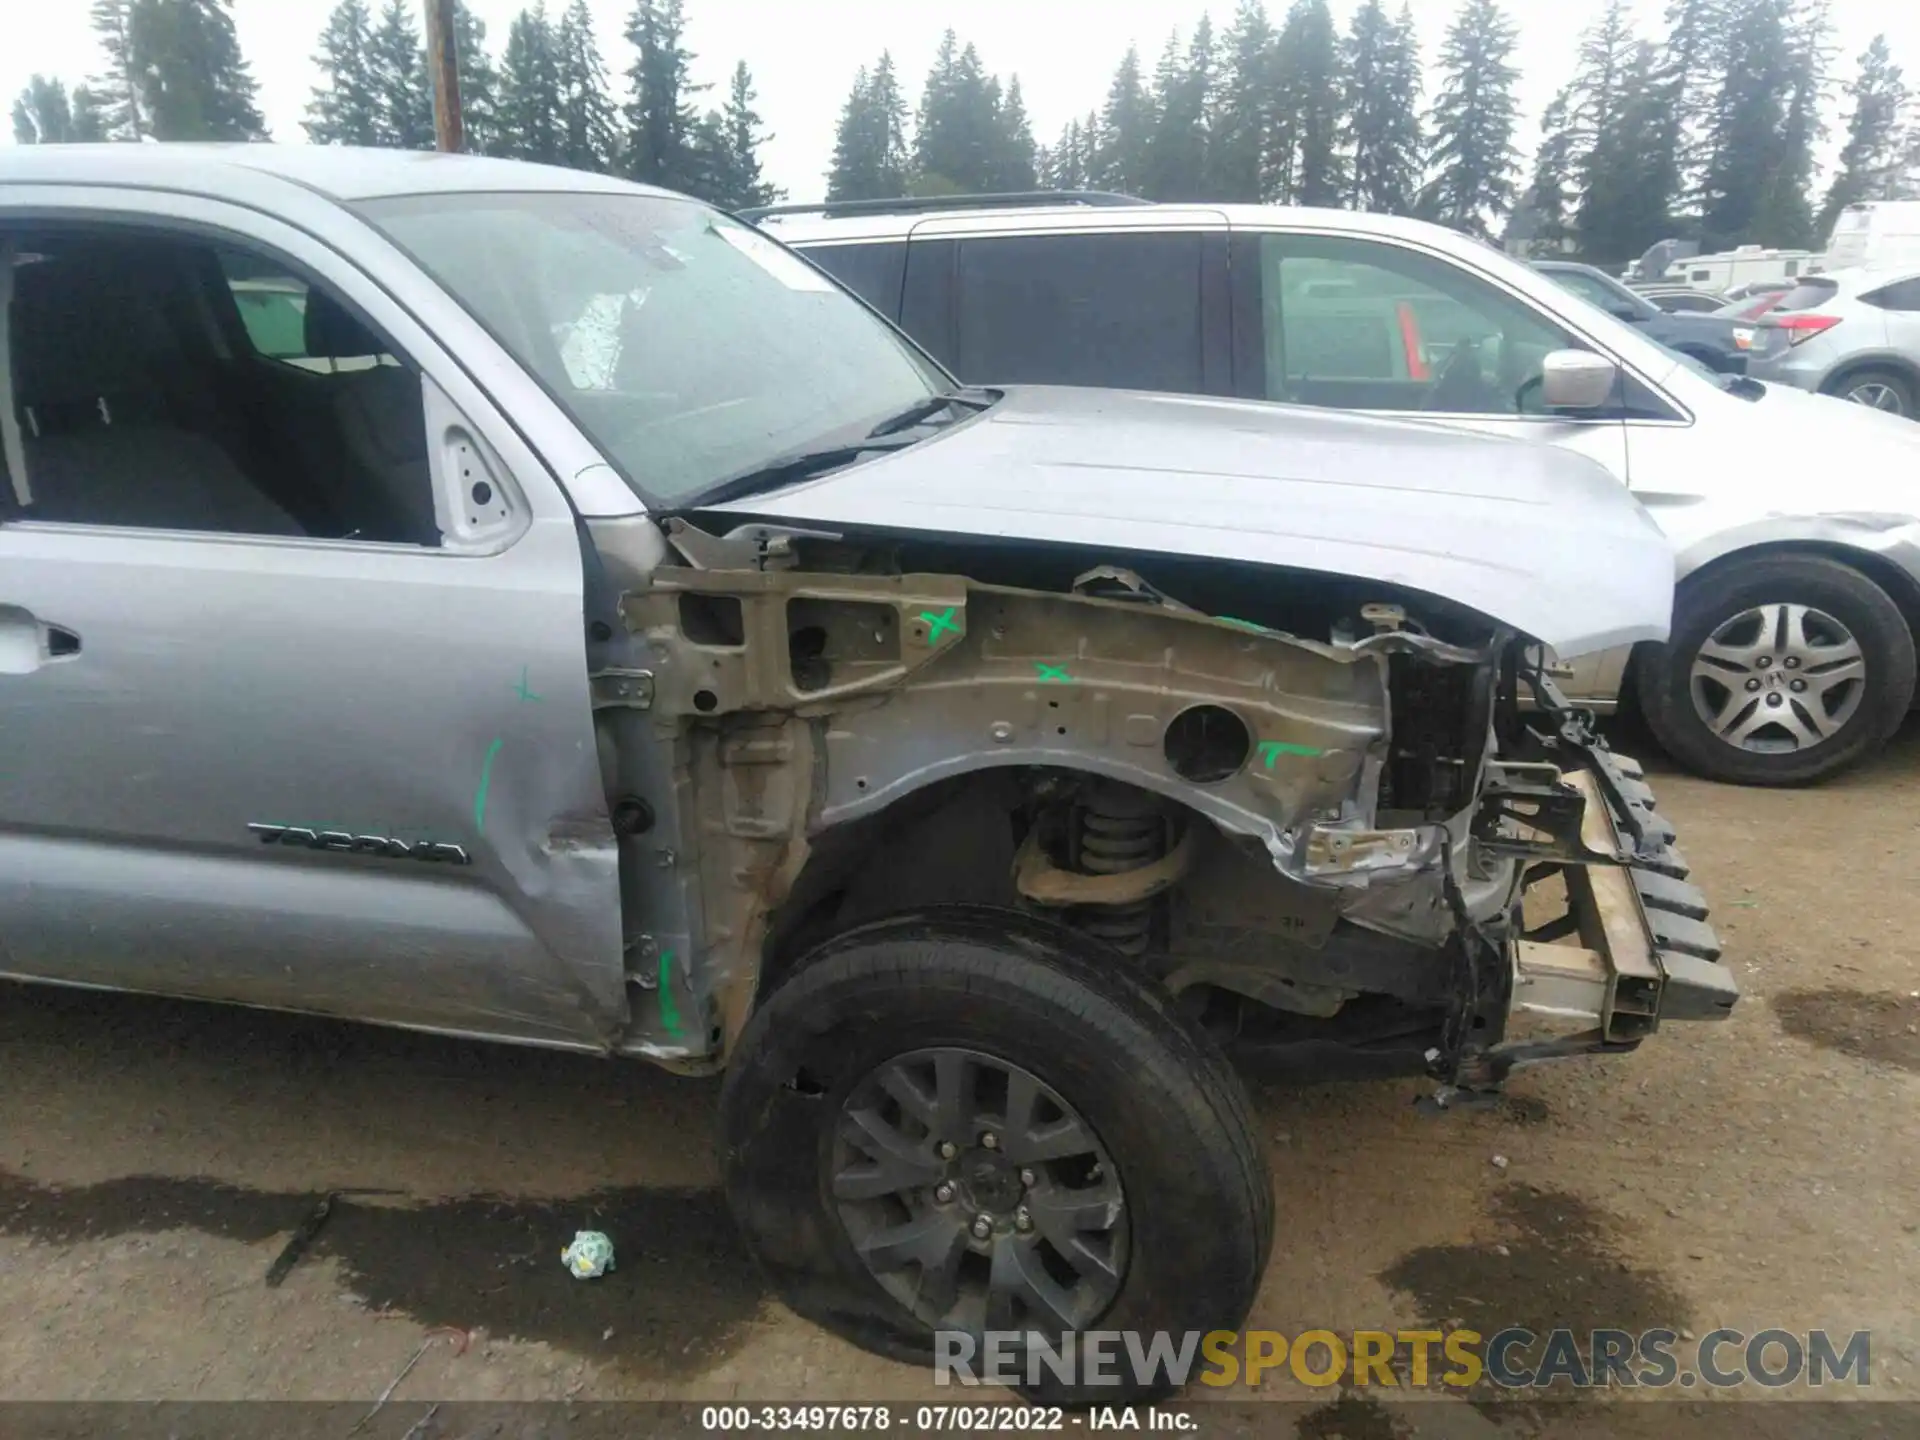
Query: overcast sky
[(803, 53)]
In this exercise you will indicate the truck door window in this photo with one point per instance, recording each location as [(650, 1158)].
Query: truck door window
[(174, 382)]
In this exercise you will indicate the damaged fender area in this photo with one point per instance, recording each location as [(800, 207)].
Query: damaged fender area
[(1281, 829)]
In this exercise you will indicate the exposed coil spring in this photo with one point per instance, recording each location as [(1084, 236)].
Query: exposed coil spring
[(1111, 843)]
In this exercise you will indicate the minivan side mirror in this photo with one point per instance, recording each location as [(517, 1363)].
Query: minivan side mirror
[(1577, 380)]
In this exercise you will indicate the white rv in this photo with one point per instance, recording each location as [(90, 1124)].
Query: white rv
[(1730, 269), (1875, 233)]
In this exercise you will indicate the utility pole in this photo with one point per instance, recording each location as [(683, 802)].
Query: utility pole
[(449, 131)]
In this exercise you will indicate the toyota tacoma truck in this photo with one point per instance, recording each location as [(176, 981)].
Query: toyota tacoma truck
[(591, 627)]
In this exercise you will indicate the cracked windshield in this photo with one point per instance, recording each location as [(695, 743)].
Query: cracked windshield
[(690, 347)]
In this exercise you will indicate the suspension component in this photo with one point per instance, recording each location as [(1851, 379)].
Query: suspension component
[(1115, 830)]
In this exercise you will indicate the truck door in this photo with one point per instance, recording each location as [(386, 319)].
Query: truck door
[(292, 674)]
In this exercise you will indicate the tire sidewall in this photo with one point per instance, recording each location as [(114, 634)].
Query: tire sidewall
[(1850, 597), (1188, 1262)]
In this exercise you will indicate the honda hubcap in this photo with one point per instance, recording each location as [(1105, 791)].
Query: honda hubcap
[(1778, 678)]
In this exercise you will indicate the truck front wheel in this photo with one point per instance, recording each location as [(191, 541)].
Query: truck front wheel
[(969, 1122)]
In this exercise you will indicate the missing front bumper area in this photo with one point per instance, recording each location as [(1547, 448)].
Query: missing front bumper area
[(1633, 947), (1628, 948)]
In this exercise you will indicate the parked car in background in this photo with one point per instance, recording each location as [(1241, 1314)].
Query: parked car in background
[(1795, 521), (1717, 343), (1680, 300), (1851, 333), (648, 652), (1873, 234), (1749, 302)]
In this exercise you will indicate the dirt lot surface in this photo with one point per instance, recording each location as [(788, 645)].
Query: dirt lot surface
[(155, 1157)]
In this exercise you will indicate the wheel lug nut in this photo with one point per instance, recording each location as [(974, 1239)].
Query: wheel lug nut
[(1022, 1220), (1798, 687), (989, 1141), (948, 1150), (1027, 1178), (943, 1192), (1753, 684), (982, 1227), (1773, 697), (1764, 661), (1792, 662)]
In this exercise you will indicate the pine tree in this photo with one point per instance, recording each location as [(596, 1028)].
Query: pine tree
[(1126, 129), (1871, 160), (1016, 159), (117, 89), (589, 133), (870, 160), (479, 82), (1618, 125), (1748, 121), (855, 164), (89, 120), (1309, 90), (1785, 216), (530, 89), (662, 145), (192, 81), (43, 115), (1382, 130), (1177, 151), (1623, 208), (1691, 62), (344, 109), (736, 136), (1061, 164), (1237, 156), (1547, 203), (1605, 48), (397, 69), (1472, 155), (955, 141)]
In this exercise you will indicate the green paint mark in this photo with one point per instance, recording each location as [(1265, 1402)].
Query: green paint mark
[(1272, 750), (1053, 672), (669, 1012), (939, 624), (522, 690), (486, 779), (1243, 624)]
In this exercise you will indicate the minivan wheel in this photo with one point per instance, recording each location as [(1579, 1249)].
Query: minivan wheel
[(1886, 390), (968, 1121), (1781, 670)]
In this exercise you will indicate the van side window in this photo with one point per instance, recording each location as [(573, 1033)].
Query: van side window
[(169, 382), (1120, 310), (1360, 325), (873, 270)]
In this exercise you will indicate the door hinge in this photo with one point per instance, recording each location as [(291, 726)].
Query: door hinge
[(631, 689)]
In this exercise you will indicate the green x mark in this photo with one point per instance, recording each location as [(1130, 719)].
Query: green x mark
[(1052, 672), (1271, 750), (939, 624)]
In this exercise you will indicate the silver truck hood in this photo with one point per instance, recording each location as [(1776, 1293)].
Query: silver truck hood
[(1534, 536)]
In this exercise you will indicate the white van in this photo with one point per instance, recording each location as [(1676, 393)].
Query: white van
[(1875, 233)]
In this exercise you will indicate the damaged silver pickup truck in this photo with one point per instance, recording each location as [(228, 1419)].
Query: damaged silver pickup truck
[(513, 603)]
